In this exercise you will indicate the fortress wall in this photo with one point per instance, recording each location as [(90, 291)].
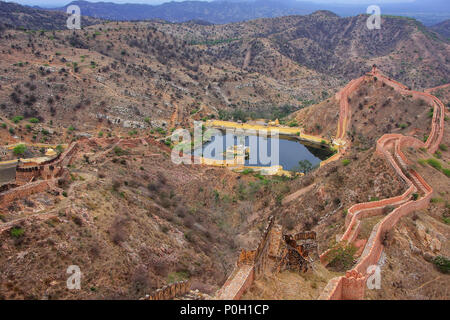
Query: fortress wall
[(67, 156), (48, 171), (23, 191), (25, 175), (250, 265), (333, 290), (171, 291), (246, 285), (353, 233), (275, 240), (352, 285), (364, 210), (387, 224), (437, 128)]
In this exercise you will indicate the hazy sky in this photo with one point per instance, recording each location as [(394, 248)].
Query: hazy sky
[(50, 3)]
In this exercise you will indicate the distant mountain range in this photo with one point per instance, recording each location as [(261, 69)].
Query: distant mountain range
[(15, 16), (225, 11), (442, 28)]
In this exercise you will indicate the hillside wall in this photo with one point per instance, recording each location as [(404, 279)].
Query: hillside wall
[(352, 285), (23, 191), (251, 264), (171, 291)]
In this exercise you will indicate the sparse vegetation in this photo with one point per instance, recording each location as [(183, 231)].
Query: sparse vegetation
[(342, 257), (17, 119), (17, 232), (442, 264), (434, 163), (20, 149)]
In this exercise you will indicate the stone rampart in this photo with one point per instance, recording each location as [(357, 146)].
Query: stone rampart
[(171, 291), (352, 285), (251, 264)]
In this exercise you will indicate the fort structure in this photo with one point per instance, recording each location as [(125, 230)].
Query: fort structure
[(416, 197), (35, 178), (252, 265)]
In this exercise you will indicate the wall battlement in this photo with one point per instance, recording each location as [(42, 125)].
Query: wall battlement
[(27, 176), (251, 264), (171, 291), (352, 285)]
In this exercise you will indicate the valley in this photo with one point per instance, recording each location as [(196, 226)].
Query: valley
[(89, 130)]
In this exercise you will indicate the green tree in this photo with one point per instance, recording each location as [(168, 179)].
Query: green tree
[(19, 149), (304, 166)]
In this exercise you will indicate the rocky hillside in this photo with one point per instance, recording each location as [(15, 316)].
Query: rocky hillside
[(133, 221), (156, 74), (442, 28), (15, 16)]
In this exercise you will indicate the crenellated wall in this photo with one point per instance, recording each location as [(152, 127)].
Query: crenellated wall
[(23, 191), (171, 291), (352, 285), (251, 264), (26, 176)]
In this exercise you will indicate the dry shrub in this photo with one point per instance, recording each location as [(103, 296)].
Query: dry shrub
[(95, 250), (140, 282), (288, 222), (116, 184), (202, 287), (64, 182), (154, 187), (117, 230), (77, 220), (387, 238), (161, 178), (181, 211), (188, 221)]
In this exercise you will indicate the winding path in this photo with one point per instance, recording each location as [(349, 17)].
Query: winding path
[(417, 196)]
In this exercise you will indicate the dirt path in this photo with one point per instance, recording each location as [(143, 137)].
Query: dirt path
[(437, 88), (297, 194), (174, 117)]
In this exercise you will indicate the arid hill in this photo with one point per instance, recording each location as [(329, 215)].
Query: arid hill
[(15, 16), (158, 75), (133, 221), (443, 28)]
